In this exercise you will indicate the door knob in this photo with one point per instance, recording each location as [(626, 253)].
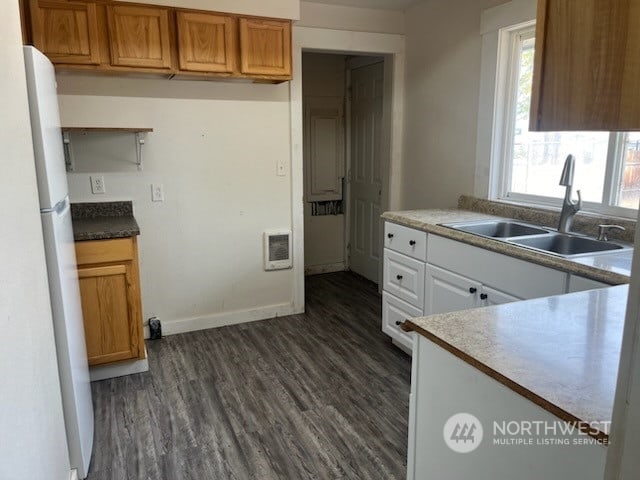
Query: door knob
[(473, 289), (412, 242), (483, 296), (399, 277), (398, 322), (389, 235)]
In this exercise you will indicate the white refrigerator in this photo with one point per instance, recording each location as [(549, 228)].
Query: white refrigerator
[(61, 259)]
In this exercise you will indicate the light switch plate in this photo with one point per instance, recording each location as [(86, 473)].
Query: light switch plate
[(157, 192), (97, 184)]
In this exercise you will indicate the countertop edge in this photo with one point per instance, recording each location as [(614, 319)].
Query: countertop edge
[(546, 260), (550, 407)]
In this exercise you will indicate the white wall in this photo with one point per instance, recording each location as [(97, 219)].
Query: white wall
[(323, 75), (340, 17), (443, 44), (214, 148), (261, 8), (32, 437)]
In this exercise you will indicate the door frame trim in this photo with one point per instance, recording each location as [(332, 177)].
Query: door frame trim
[(392, 48)]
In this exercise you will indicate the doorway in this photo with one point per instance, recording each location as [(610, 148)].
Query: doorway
[(343, 163)]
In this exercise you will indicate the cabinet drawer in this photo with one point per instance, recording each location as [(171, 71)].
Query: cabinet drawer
[(104, 251), (406, 240), (404, 278), (510, 275), (395, 310)]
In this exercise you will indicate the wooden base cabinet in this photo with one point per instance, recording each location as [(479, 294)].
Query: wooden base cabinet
[(111, 304)]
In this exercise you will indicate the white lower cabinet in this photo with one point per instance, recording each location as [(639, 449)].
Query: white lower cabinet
[(457, 276), (394, 312), (490, 296), (580, 284), (447, 291), (404, 277), (443, 385)]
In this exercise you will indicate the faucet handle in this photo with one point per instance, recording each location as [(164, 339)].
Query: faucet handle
[(603, 231), (578, 205)]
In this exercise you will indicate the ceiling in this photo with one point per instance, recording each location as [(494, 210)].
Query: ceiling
[(381, 4)]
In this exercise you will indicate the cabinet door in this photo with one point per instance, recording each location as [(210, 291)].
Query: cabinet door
[(323, 148), (265, 47), (139, 36), (587, 66), (110, 313), (66, 32), (490, 296), (206, 42), (446, 291), (581, 284)]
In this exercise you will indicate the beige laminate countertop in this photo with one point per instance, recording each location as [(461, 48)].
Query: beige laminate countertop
[(611, 268), (560, 352)]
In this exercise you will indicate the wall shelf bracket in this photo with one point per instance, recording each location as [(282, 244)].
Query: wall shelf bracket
[(68, 152), (140, 138)]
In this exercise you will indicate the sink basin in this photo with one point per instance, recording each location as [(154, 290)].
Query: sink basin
[(567, 245), (498, 229)]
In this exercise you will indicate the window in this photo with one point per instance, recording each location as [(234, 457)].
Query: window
[(607, 164)]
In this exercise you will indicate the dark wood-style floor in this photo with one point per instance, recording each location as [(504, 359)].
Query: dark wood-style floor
[(323, 395)]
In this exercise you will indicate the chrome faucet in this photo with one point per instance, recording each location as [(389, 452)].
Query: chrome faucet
[(569, 207)]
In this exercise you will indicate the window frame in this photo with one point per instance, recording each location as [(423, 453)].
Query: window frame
[(507, 74)]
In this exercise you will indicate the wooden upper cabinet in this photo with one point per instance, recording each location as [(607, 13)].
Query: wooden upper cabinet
[(139, 36), (587, 66), (67, 32), (265, 47), (206, 42)]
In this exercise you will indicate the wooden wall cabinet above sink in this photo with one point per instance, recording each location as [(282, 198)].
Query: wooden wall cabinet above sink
[(587, 66), (118, 37)]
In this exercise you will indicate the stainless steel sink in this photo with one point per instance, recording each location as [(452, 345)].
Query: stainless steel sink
[(567, 245), (543, 240), (497, 229)]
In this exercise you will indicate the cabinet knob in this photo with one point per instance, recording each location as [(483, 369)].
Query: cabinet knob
[(389, 235), (399, 277), (399, 322), (483, 296), (473, 289), (412, 242)]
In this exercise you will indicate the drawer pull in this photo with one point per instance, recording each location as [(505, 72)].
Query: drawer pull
[(399, 277), (399, 322), (473, 289), (389, 235), (483, 296), (412, 242)]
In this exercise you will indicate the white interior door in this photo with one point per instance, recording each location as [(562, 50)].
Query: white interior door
[(366, 169)]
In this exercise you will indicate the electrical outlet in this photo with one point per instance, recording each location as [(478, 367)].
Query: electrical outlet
[(97, 185), (281, 168), (157, 192)]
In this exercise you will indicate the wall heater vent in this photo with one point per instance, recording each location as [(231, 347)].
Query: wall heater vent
[(277, 250)]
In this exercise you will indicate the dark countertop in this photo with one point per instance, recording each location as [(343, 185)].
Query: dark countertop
[(103, 220)]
